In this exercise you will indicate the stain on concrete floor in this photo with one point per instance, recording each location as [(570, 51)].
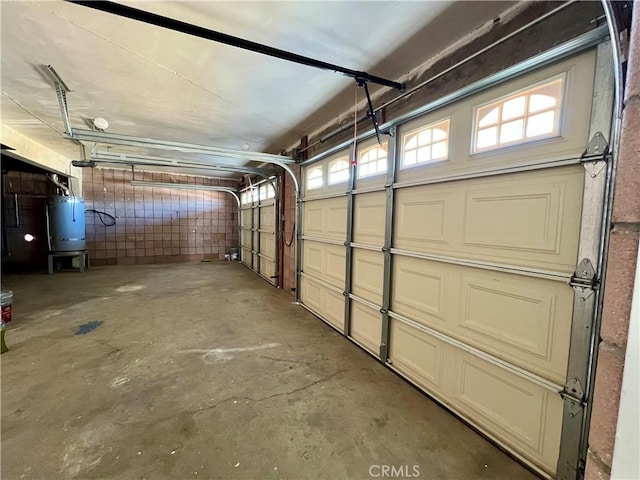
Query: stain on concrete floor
[(208, 372), (87, 327)]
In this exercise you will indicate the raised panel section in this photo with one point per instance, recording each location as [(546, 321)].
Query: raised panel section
[(324, 302), (325, 218), (514, 410), (312, 258), (246, 238), (416, 354), (420, 217), (523, 320), (369, 217), (366, 327), (524, 220), (334, 308), (324, 261), (268, 245), (527, 219), (267, 269), (311, 294), (246, 218), (510, 313), (246, 257), (418, 289), (367, 275), (267, 218), (520, 413)]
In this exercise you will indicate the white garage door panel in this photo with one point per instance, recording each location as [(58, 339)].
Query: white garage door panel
[(522, 413), (267, 217), (529, 219), (416, 354), (366, 327), (268, 245), (480, 306), (367, 275), (324, 261), (517, 318), (246, 238), (324, 302), (326, 218), (578, 96), (246, 218), (509, 407), (368, 218), (246, 257), (267, 269)]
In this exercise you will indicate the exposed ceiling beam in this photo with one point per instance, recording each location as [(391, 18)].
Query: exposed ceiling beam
[(207, 34), (158, 144), (218, 164)]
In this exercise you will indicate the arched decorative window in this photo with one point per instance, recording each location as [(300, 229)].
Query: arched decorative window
[(372, 161), (339, 171), (314, 178), (528, 115), (426, 144)]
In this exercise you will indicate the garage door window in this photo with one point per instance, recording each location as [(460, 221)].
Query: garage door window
[(426, 144), (339, 171), (314, 178), (372, 161), (528, 115)]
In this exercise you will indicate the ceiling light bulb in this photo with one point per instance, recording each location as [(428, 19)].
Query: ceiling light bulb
[(100, 123), (29, 238)]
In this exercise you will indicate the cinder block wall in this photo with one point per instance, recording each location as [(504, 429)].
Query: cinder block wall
[(618, 289), (157, 225)]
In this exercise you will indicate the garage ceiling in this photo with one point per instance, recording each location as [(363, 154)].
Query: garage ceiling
[(157, 83)]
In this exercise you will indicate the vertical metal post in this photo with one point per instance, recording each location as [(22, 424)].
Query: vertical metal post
[(277, 231), (585, 329), (251, 210), (258, 249), (392, 156), (298, 227), (348, 240)]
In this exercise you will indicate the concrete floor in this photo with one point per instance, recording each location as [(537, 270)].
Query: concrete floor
[(204, 371)]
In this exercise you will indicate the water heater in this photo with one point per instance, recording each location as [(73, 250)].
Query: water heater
[(65, 224)]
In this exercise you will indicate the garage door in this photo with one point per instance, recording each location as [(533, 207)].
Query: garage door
[(447, 251), (258, 230)]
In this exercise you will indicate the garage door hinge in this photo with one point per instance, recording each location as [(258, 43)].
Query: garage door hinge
[(596, 156), (573, 389), (585, 276)]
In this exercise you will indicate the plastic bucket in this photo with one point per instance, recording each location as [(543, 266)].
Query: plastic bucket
[(7, 301)]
